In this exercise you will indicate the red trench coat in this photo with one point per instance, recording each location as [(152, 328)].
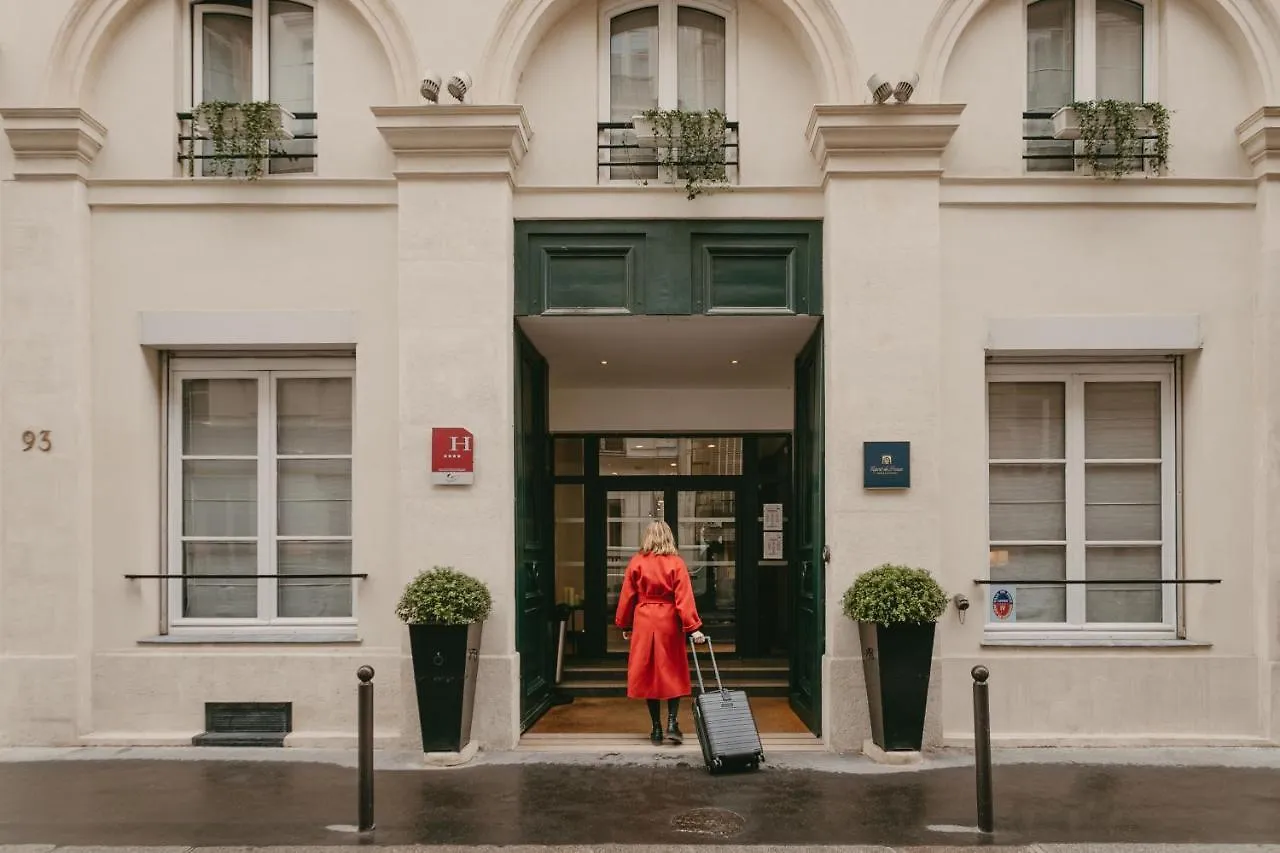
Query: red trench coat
[(656, 606)]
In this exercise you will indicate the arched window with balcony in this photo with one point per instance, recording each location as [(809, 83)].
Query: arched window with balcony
[(259, 50), (664, 55), (1084, 50)]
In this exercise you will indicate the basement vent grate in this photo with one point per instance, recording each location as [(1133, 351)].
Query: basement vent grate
[(245, 724)]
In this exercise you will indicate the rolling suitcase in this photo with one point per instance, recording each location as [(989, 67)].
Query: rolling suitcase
[(724, 722)]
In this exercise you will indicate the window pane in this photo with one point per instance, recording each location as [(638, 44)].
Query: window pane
[(1028, 502), (1119, 50), (220, 417), (1033, 602), (220, 598), (633, 63), (1050, 79), (1027, 420), (313, 598), (292, 69), (313, 417), (1123, 603), (1122, 502), (219, 498), (1122, 420), (670, 456), (570, 457), (227, 42), (700, 60), (570, 547), (315, 497)]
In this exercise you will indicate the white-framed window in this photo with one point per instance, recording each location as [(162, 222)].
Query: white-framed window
[(1085, 50), (260, 489), (666, 55), (259, 50), (1082, 487)]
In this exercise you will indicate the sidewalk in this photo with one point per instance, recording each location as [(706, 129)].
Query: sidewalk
[(205, 798)]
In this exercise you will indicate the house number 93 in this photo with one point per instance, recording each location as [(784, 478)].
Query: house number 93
[(41, 440)]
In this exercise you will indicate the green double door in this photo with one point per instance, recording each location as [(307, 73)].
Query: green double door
[(717, 521)]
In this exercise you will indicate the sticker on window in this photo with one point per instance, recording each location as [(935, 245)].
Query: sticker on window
[(1003, 605)]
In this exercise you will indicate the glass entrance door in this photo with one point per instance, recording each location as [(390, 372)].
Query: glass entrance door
[(706, 531), (627, 514)]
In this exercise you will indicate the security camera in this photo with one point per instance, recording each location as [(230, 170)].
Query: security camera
[(459, 83), (902, 93), (880, 90), (431, 87)]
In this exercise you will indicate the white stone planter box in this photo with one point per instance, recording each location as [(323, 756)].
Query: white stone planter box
[(231, 117), (1066, 123)]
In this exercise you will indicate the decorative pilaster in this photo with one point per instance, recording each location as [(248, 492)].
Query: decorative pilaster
[(1259, 137), (456, 304), (46, 513), (883, 362)]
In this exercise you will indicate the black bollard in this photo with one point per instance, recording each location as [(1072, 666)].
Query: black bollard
[(365, 747), (982, 748)]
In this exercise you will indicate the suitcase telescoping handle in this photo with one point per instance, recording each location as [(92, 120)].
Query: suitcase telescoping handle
[(693, 647)]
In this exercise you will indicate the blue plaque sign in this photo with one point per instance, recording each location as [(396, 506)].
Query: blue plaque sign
[(886, 464)]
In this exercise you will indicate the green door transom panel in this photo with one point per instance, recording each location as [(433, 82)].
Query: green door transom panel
[(669, 267)]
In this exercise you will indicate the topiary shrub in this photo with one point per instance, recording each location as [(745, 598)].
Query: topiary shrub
[(892, 595), (444, 596)]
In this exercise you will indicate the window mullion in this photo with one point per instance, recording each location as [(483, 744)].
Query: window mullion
[(1086, 50), (266, 497), (668, 46), (261, 51), (1075, 496)]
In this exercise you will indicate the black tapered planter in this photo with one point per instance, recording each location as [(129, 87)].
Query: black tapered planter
[(896, 661), (445, 660)]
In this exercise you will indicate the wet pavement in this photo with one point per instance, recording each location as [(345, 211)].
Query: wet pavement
[(257, 803)]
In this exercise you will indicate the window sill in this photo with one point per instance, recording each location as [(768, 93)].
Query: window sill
[(1094, 643), (241, 636)]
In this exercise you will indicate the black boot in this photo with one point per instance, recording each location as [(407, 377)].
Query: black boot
[(655, 736), (673, 731)]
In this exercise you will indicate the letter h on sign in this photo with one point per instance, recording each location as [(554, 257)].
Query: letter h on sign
[(452, 456)]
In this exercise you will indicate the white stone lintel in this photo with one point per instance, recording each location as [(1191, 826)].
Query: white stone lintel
[(52, 142), (1259, 136), (1135, 334), (460, 140), (886, 140), (204, 330)]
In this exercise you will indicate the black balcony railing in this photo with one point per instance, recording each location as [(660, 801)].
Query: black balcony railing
[(622, 155), (1043, 153), (295, 155)]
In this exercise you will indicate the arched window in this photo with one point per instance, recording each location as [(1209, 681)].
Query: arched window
[(1084, 50), (259, 50), (667, 55)]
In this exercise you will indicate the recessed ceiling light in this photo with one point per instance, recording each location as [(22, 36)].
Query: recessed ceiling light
[(711, 447), (604, 362), (673, 465), (735, 361)]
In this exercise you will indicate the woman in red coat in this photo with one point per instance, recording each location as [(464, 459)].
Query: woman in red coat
[(657, 612)]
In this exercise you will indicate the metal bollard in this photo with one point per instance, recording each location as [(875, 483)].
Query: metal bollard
[(982, 748), (365, 747)]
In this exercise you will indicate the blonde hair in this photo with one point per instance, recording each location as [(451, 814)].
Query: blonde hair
[(658, 539)]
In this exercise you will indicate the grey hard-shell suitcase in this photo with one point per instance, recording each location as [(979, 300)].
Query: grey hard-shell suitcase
[(726, 727)]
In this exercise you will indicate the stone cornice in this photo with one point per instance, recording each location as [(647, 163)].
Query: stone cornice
[(1259, 136), (460, 140), (52, 142), (887, 140)]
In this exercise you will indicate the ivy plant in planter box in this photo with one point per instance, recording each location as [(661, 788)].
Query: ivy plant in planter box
[(689, 146), (896, 608), (241, 137), (1114, 133), (445, 610)]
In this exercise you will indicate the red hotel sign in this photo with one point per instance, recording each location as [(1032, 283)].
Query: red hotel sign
[(453, 456)]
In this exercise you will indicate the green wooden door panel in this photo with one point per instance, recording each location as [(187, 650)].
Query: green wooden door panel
[(669, 267), (809, 566)]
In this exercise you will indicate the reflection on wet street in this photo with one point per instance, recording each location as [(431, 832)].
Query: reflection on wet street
[(260, 803)]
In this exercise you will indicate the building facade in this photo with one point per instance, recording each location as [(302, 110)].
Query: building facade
[(218, 393)]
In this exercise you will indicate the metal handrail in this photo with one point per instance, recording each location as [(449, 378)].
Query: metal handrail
[(308, 576), (1112, 581)]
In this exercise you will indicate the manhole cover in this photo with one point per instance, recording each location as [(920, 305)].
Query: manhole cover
[(718, 822)]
